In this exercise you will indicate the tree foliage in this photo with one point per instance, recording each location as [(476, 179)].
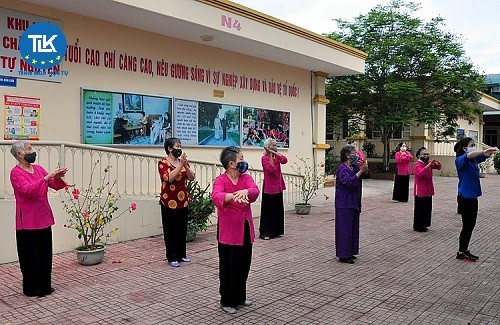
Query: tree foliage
[(416, 73)]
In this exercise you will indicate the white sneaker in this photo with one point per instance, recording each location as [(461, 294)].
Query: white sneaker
[(228, 310), (247, 303), (185, 259)]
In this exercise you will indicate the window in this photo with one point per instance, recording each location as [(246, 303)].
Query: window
[(345, 128), (401, 133), (371, 131), (491, 138)]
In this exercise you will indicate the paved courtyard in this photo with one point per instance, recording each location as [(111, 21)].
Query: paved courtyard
[(400, 276)]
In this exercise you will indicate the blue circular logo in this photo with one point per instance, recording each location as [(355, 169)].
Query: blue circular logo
[(43, 45)]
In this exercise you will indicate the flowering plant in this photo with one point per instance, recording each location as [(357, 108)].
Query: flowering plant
[(312, 178), (92, 209)]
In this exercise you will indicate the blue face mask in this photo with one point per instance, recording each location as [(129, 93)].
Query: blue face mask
[(354, 160), (242, 167)]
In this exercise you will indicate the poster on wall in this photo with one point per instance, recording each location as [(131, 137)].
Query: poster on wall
[(473, 135), (207, 123), (22, 118), (260, 124), (124, 118), (13, 24)]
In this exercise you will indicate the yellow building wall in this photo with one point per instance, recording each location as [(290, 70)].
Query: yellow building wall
[(60, 115)]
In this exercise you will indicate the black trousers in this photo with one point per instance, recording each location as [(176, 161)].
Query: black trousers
[(174, 223), (422, 212), (468, 209), (34, 249), (401, 188), (272, 215), (234, 266)]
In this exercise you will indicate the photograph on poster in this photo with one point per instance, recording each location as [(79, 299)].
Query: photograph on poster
[(122, 118), (133, 103), (260, 124), (207, 123)]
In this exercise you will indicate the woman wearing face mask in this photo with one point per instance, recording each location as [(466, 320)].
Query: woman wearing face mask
[(272, 212), (34, 218), (423, 189), (403, 170), (469, 189), (348, 204), (174, 198), (233, 191)]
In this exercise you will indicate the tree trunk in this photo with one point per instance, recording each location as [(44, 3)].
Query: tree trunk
[(386, 135)]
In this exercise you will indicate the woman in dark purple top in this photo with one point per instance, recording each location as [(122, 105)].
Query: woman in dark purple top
[(348, 204)]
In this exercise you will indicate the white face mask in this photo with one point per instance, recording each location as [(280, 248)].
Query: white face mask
[(471, 149)]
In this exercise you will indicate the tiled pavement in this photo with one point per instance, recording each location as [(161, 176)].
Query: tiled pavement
[(400, 277)]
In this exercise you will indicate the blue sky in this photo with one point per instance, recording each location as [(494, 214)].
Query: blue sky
[(477, 22)]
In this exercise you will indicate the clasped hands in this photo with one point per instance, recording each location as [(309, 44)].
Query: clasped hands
[(488, 152), (57, 174), (184, 160), (241, 196)]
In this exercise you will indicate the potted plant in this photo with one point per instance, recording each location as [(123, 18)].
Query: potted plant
[(496, 162), (90, 211), (311, 178), (200, 209), (369, 148)]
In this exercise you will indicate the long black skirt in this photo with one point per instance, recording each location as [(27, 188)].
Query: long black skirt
[(34, 249), (272, 215), (422, 213), (401, 188)]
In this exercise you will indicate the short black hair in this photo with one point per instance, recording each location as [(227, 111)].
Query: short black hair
[(419, 150), (170, 143), (345, 151), (462, 143), (228, 154)]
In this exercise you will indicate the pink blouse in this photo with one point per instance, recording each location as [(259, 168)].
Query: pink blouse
[(273, 178), (231, 216), (423, 185), (32, 204), (403, 162)]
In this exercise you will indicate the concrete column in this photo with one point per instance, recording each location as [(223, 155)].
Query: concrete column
[(420, 138), (319, 117)]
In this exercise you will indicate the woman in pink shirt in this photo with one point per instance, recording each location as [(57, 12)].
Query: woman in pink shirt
[(34, 218), (423, 190), (233, 191), (403, 171), (272, 212)]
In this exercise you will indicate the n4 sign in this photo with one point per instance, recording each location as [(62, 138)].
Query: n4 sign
[(229, 23)]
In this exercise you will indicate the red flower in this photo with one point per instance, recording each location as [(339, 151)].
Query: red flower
[(86, 214), (76, 193), (133, 206)]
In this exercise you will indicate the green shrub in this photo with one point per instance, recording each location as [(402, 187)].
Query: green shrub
[(496, 160), (331, 162), (369, 148), (200, 207)]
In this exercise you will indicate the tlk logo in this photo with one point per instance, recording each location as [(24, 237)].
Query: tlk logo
[(41, 44)]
